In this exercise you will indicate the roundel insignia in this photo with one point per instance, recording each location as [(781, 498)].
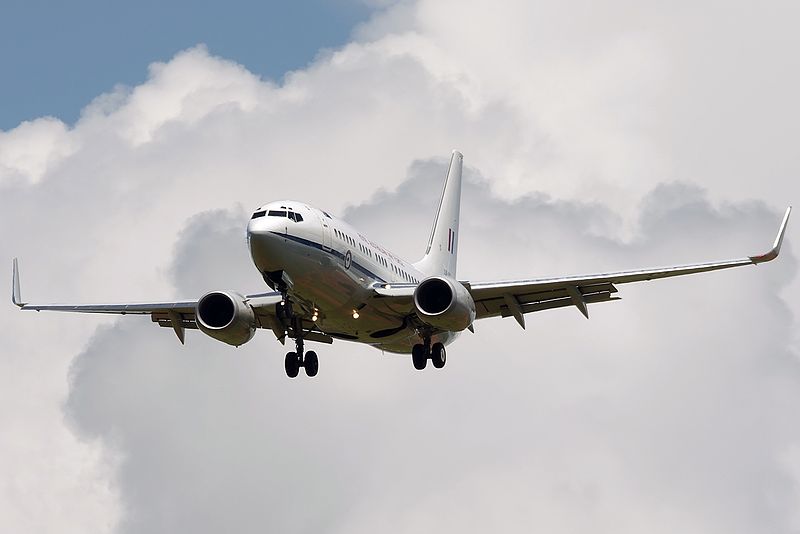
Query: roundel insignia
[(348, 260)]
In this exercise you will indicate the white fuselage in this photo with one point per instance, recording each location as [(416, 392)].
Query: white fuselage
[(324, 264)]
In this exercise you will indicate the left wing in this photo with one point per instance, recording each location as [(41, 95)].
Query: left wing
[(517, 297)]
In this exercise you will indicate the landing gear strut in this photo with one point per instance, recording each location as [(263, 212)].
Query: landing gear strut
[(295, 360), (422, 352)]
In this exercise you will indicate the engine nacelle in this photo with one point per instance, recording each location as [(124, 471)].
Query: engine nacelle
[(444, 303), (226, 317)]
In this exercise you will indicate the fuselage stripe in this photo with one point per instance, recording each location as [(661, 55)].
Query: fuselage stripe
[(332, 251)]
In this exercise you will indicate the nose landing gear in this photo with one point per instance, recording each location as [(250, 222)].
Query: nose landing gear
[(299, 358)]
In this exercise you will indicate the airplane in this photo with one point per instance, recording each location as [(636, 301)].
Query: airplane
[(329, 281)]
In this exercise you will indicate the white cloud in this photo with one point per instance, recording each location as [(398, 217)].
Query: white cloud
[(673, 418), (31, 148), (590, 111)]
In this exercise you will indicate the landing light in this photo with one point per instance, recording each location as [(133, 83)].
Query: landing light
[(355, 314)]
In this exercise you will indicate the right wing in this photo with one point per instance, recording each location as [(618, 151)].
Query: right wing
[(178, 315), (515, 298)]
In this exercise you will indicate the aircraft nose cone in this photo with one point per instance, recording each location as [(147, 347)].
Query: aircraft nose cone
[(258, 226), (264, 243)]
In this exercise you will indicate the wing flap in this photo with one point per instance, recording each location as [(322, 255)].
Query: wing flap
[(563, 302), (543, 300), (185, 320)]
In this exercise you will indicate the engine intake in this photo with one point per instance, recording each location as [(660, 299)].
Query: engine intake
[(444, 303), (226, 317)]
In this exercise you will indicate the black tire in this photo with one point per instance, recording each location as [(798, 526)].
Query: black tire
[(419, 357), (312, 363), (438, 355), (292, 364)]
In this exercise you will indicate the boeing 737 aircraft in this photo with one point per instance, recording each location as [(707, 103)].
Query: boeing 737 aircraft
[(329, 281)]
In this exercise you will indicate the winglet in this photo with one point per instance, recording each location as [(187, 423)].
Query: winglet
[(15, 293), (776, 247)]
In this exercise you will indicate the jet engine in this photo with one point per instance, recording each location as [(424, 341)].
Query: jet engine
[(226, 317), (444, 303)]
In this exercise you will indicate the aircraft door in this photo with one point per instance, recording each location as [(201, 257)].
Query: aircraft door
[(326, 233)]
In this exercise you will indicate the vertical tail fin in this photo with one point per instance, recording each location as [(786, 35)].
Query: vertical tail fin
[(442, 253)]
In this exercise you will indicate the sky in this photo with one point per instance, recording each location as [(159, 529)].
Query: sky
[(60, 56), (595, 137)]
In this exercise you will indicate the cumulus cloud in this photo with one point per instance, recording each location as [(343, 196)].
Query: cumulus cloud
[(576, 121), (669, 418), (32, 148)]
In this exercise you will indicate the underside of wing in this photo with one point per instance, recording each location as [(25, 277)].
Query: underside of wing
[(178, 315), (515, 298)]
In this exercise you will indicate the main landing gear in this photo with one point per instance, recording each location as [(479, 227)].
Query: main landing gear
[(422, 352), (296, 360), (299, 358)]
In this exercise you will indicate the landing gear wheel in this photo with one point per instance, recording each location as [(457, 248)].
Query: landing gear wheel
[(311, 363), (292, 364), (419, 357), (438, 355)]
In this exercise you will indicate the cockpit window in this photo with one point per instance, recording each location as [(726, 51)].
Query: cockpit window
[(296, 217)]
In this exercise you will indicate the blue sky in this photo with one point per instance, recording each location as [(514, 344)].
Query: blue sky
[(57, 56)]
